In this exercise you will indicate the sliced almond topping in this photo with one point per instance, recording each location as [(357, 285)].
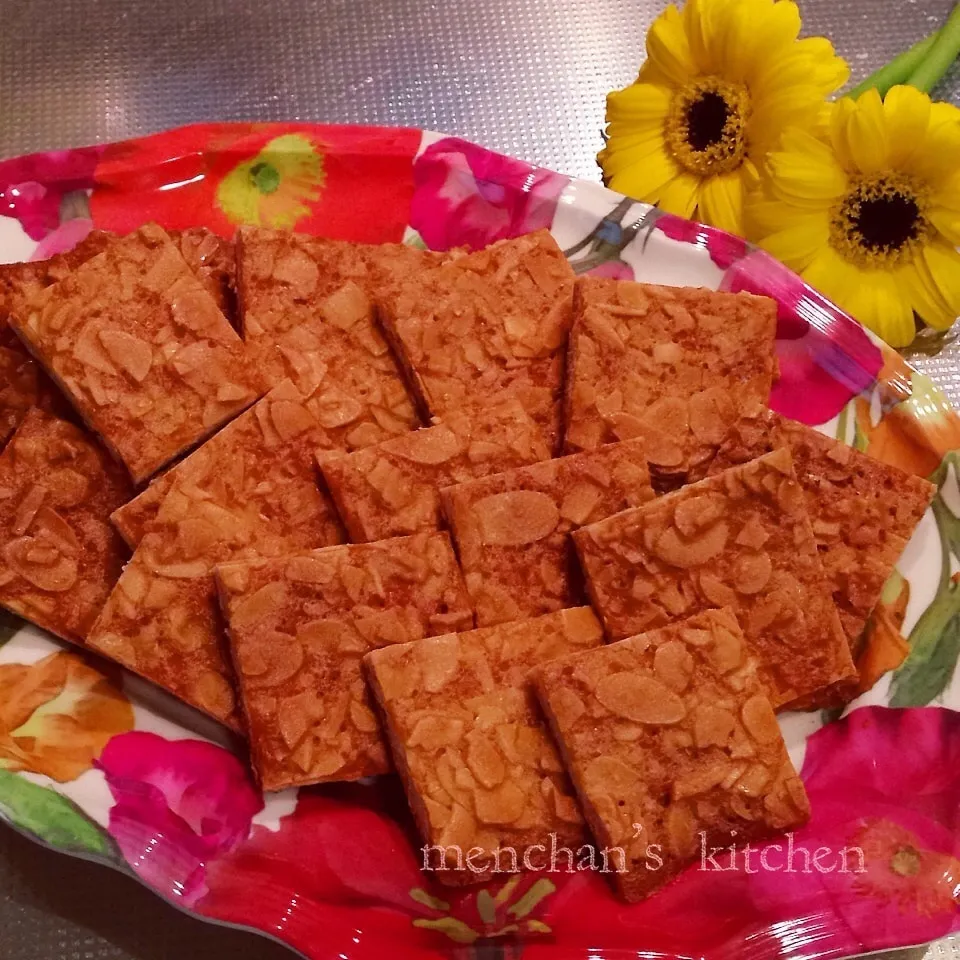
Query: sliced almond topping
[(751, 573), (695, 513), (712, 725), (673, 665), (347, 307), (266, 600), (291, 419), (485, 761), (130, 353), (711, 413), (716, 591), (503, 805), (516, 517), (48, 570), (759, 719), (754, 780), (691, 553), (432, 446), (640, 699), (579, 502), (27, 509)]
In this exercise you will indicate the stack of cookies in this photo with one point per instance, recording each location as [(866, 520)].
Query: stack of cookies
[(535, 543)]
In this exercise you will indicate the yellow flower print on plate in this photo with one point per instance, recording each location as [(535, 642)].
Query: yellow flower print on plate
[(56, 716), (273, 188)]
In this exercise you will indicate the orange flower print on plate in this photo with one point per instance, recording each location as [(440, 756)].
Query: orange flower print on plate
[(57, 715), (899, 870)]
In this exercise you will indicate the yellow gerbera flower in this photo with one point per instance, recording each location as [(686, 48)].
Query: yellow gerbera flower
[(870, 215), (272, 189), (721, 82)]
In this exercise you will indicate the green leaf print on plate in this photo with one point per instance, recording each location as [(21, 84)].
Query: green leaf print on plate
[(935, 639), (52, 818)]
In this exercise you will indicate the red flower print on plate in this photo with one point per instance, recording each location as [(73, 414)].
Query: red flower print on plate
[(32, 187), (724, 248), (468, 196), (353, 183), (884, 786), (177, 805), (826, 358), (344, 869)]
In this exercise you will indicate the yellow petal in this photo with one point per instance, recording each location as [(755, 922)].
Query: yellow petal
[(794, 67), (948, 193), (947, 223), (943, 114), (828, 71), (621, 135), (874, 299), (943, 262), (938, 159), (697, 22), (840, 113), (639, 101), (680, 195), (758, 33), (907, 113), (867, 134), (765, 215), (799, 241), (614, 160), (920, 289), (668, 48), (890, 313), (805, 171), (796, 106), (831, 275), (721, 202), (644, 180)]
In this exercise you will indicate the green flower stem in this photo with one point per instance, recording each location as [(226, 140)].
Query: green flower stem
[(943, 53), (897, 70)]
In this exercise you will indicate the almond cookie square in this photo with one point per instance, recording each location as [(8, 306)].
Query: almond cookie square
[(307, 312), (392, 489), (290, 417), (20, 281), (512, 529), (249, 492), (862, 511), (488, 325), (140, 349), (60, 556), (673, 747), (675, 366), (299, 627), (742, 540), (23, 385), (482, 776)]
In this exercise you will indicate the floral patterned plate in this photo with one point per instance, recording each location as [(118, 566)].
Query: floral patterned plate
[(96, 763)]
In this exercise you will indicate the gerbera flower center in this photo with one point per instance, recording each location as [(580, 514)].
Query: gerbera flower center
[(880, 222), (706, 126)]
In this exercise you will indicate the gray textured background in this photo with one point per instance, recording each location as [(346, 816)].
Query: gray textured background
[(527, 77)]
